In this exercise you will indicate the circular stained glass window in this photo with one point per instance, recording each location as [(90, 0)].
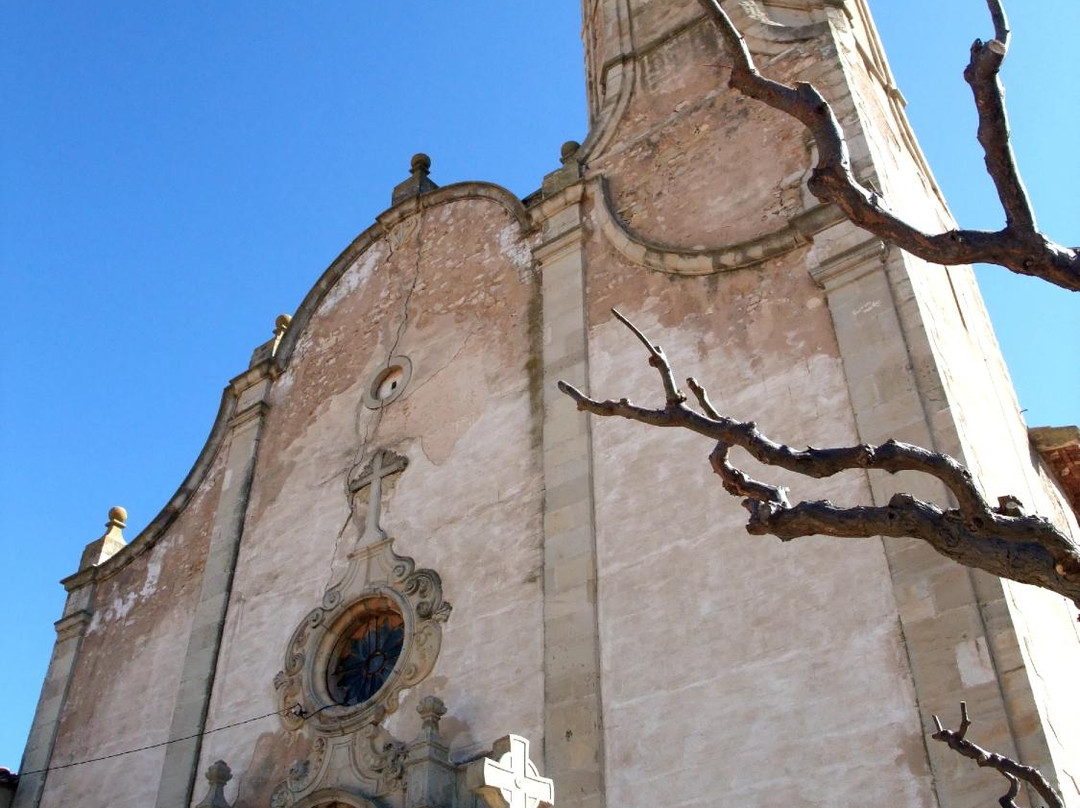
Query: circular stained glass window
[(365, 656)]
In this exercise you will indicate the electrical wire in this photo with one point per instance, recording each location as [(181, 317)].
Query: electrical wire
[(281, 713)]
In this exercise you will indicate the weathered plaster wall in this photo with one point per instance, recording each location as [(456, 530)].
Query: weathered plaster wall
[(692, 189), (125, 679), (729, 660), (467, 506), (1035, 644), (1033, 640), (722, 654)]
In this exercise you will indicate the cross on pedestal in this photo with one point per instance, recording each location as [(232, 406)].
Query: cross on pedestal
[(512, 781), (383, 464)]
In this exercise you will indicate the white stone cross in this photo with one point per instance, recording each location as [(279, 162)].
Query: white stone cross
[(383, 464), (512, 780)]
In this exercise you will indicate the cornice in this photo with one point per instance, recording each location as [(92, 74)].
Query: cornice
[(154, 531), (455, 193), (230, 416), (73, 625), (849, 265), (384, 223), (673, 260)]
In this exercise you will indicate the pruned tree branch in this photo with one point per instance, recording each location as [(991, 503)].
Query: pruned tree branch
[(1019, 246), (1010, 769), (1002, 540)]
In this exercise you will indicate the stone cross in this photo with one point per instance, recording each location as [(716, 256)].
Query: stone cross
[(383, 464), (512, 781)]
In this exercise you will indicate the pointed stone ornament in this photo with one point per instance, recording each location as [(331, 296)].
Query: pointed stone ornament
[(269, 348), (218, 774), (511, 780), (429, 774), (418, 182), (112, 542), (569, 174), (431, 710), (281, 325)]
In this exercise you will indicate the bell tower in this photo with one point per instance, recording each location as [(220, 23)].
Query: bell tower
[(749, 275)]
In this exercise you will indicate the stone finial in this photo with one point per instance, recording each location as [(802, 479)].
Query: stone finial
[(418, 181), (117, 519), (281, 325), (569, 174), (430, 778), (431, 709), (218, 775), (111, 542), (269, 348), (420, 165)]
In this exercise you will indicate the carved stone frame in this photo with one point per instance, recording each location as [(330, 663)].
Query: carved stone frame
[(375, 571)]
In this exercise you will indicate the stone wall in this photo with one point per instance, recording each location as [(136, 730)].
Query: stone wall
[(127, 672), (468, 504)]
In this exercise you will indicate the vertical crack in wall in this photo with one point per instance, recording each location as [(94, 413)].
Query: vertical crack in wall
[(372, 427)]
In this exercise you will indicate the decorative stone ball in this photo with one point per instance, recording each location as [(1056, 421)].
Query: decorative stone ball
[(420, 162), (118, 515), (283, 321), (569, 149)]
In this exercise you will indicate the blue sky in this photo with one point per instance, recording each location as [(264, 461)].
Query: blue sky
[(176, 174)]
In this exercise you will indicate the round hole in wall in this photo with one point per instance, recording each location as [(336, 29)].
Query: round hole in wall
[(388, 383)]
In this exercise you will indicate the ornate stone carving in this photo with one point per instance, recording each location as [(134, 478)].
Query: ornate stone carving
[(379, 757), (377, 632), (371, 768), (377, 578), (301, 775)]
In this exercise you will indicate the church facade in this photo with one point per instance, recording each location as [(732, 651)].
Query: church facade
[(405, 571)]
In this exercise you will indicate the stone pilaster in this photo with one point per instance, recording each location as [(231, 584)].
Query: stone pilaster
[(960, 642), (573, 723), (179, 770), (70, 630), (38, 755)]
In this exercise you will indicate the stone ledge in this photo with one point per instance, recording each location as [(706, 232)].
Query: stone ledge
[(671, 260)]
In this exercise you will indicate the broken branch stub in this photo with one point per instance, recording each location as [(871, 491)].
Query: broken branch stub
[(1011, 770)]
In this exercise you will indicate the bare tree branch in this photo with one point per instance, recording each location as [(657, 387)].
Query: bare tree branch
[(1019, 247), (993, 134), (1002, 541), (1011, 770), (657, 360)]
